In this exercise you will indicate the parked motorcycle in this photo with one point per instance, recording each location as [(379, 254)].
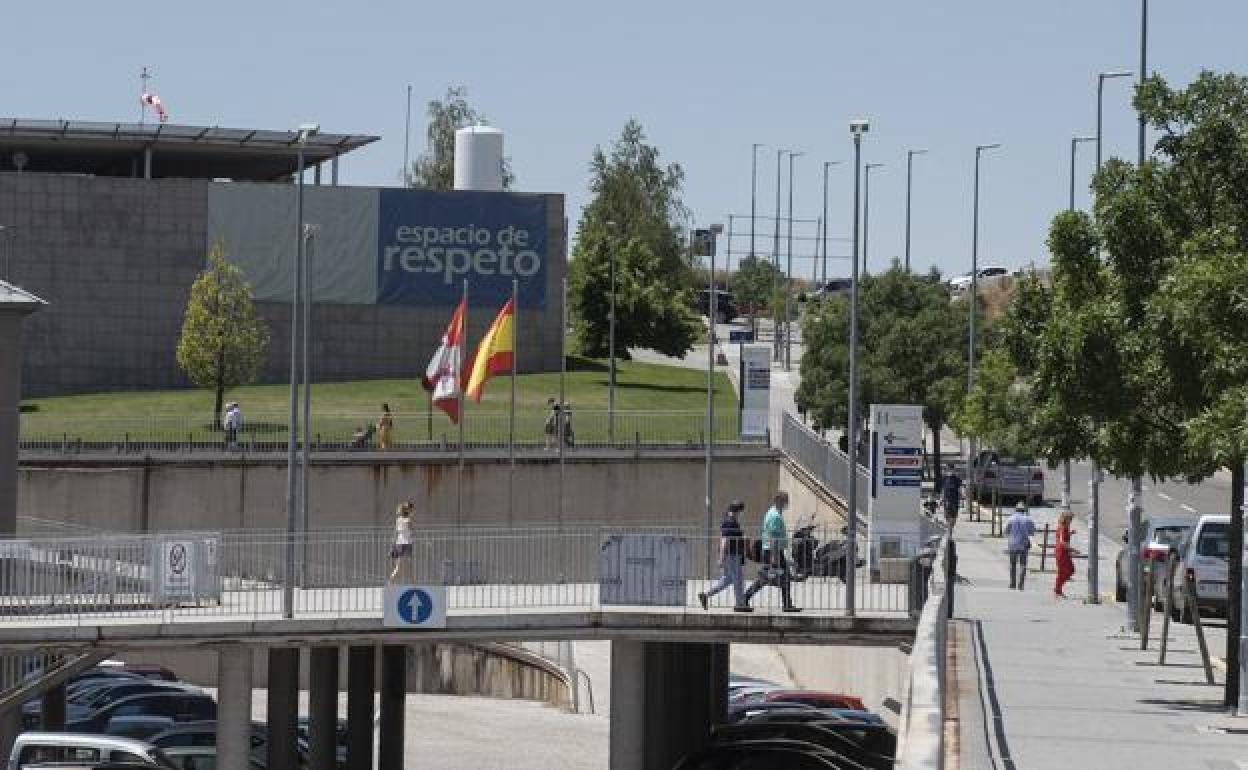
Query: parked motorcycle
[(812, 559)]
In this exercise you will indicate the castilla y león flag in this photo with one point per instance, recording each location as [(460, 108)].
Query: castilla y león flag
[(442, 375), (494, 354)]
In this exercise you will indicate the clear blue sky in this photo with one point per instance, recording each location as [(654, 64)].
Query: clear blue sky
[(706, 80)]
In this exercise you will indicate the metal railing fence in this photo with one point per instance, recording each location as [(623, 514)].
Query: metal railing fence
[(824, 461), (341, 573), (46, 432), (920, 741)]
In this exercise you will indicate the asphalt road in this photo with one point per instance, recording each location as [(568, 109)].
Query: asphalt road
[(1170, 498)]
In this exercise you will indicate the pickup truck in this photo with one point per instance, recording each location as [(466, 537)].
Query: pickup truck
[(1007, 476)]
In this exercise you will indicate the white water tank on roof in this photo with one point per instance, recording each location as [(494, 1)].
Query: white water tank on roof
[(478, 158)]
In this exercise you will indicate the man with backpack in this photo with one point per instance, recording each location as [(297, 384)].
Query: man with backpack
[(731, 559), (775, 568)]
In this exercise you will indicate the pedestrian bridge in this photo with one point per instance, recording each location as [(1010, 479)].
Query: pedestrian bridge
[(532, 583)]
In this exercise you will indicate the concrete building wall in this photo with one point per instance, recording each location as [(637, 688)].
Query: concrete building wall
[(115, 258), (250, 494)]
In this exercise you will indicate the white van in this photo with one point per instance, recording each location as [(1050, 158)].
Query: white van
[(35, 747)]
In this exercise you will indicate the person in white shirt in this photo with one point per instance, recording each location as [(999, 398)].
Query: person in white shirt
[(401, 551)]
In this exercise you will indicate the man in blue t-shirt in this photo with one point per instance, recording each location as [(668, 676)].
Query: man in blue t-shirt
[(951, 492), (731, 559)]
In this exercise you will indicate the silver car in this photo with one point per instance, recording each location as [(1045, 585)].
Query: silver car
[(1007, 477), (1161, 534), (1205, 556)]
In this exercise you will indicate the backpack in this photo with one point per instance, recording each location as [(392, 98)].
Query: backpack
[(754, 550)]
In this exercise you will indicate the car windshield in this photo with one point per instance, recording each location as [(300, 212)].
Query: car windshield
[(1214, 541), (1169, 535), (1017, 461)]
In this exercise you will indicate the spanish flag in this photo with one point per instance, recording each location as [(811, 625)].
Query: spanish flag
[(495, 353)]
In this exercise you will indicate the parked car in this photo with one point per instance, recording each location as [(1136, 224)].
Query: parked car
[(1161, 533), (1204, 555), (1008, 476), (817, 699), (833, 288), (725, 305), (33, 747), (178, 706), (991, 273), (204, 758), (824, 734), (200, 734)]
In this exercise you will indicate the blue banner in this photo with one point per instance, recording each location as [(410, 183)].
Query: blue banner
[(429, 242)]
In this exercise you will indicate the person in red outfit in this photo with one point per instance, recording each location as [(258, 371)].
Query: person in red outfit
[(1065, 554)]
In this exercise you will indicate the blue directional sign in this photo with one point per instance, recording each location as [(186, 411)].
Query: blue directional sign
[(410, 606), (902, 450), (894, 482)]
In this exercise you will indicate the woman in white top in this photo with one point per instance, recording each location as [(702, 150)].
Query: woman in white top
[(401, 552)]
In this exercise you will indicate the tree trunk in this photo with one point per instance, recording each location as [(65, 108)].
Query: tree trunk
[(1234, 576), (220, 388)]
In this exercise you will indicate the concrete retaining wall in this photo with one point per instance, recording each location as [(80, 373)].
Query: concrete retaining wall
[(143, 495)]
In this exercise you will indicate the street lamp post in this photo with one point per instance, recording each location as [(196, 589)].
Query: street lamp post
[(909, 180), (754, 193), (611, 338), (970, 380), (823, 271), (712, 308), (292, 440), (9, 232), (788, 277), (1075, 141), (866, 211), (1094, 514), (775, 262), (856, 128)]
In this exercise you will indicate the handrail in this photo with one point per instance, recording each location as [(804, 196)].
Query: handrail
[(920, 741)]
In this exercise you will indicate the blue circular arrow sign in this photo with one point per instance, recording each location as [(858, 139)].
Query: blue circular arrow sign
[(415, 606)]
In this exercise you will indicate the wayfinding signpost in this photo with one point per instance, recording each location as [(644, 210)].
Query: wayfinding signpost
[(896, 475)]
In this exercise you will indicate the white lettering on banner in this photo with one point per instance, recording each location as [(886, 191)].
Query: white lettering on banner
[(448, 251)]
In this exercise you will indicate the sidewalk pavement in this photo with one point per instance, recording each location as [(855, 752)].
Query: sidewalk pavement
[(1049, 683)]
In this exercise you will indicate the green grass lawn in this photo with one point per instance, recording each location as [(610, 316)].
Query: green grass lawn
[(642, 390)]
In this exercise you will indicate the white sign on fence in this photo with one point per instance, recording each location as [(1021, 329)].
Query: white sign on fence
[(755, 378), (178, 569), (896, 476)]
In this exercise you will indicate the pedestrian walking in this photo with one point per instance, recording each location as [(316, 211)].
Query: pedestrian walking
[(551, 428), (385, 427), (775, 568), (951, 493), (401, 550), (731, 559), (232, 423), (1063, 553), (1018, 531)]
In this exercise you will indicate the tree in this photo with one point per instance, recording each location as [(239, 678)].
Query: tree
[(633, 219), (1142, 364), (754, 284), (223, 342), (435, 168), (912, 350)]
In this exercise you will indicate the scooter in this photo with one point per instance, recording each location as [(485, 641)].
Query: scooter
[(810, 559)]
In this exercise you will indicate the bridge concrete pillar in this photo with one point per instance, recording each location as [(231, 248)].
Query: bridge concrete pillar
[(361, 683), (52, 708), (665, 697), (10, 728), (323, 708), (393, 700), (283, 712), (234, 670)]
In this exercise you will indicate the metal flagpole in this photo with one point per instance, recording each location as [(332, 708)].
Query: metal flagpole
[(292, 433), (306, 384), (407, 135), (511, 420), (459, 387), (143, 78)]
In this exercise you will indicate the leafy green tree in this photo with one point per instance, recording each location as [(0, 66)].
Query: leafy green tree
[(435, 168), (998, 407), (634, 220), (1143, 361), (223, 342), (912, 350), (754, 284)]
